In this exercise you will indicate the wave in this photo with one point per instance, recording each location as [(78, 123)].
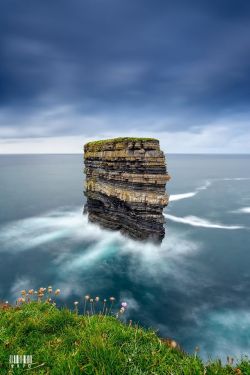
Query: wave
[(50, 227), (66, 229), (224, 330), (199, 222), (243, 210), (177, 197), (74, 248), (205, 186), (234, 179)]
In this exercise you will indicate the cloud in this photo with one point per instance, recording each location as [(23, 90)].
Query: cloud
[(178, 70), (214, 138)]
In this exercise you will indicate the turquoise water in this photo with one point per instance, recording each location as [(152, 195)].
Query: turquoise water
[(194, 287)]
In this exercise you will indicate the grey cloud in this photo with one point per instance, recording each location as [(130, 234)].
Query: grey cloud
[(170, 66)]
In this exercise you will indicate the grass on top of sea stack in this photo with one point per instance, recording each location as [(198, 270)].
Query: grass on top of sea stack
[(101, 142), (62, 341), (122, 139)]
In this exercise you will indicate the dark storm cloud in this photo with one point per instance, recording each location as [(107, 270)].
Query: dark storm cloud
[(128, 58)]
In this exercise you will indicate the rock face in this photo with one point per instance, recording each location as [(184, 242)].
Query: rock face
[(125, 186)]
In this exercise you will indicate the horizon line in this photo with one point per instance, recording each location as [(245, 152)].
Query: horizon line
[(168, 153)]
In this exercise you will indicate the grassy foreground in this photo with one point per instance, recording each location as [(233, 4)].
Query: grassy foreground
[(63, 342)]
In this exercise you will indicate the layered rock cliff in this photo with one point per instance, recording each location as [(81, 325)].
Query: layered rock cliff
[(125, 186)]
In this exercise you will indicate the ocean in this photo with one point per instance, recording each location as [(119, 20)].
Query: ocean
[(194, 288)]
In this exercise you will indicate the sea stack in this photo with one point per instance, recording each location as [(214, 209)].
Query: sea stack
[(125, 186)]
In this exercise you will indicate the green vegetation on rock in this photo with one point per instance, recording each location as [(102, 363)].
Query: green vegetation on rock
[(122, 139), (63, 342), (118, 140)]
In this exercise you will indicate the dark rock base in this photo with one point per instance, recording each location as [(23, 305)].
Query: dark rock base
[(140, 222)]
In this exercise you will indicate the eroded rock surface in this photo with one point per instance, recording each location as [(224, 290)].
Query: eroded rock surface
[(125, 186)]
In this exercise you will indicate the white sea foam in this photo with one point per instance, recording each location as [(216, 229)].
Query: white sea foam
[(205, 185), (63, 233), (234, 179), (177, 197), (36, 231), (199, 222), (75, 248), (225, 332), (243, 210)]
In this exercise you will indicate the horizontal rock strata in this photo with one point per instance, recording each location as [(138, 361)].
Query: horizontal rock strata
[(125, 186)]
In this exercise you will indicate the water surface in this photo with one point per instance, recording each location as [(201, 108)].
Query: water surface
[(194, 287)]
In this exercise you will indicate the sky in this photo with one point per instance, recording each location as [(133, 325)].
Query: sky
[(81, 70)]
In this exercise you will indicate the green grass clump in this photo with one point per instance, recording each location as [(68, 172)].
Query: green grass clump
[(117, 140), (63, 342)]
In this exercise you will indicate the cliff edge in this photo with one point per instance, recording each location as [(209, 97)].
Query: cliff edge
[(125, 186)]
